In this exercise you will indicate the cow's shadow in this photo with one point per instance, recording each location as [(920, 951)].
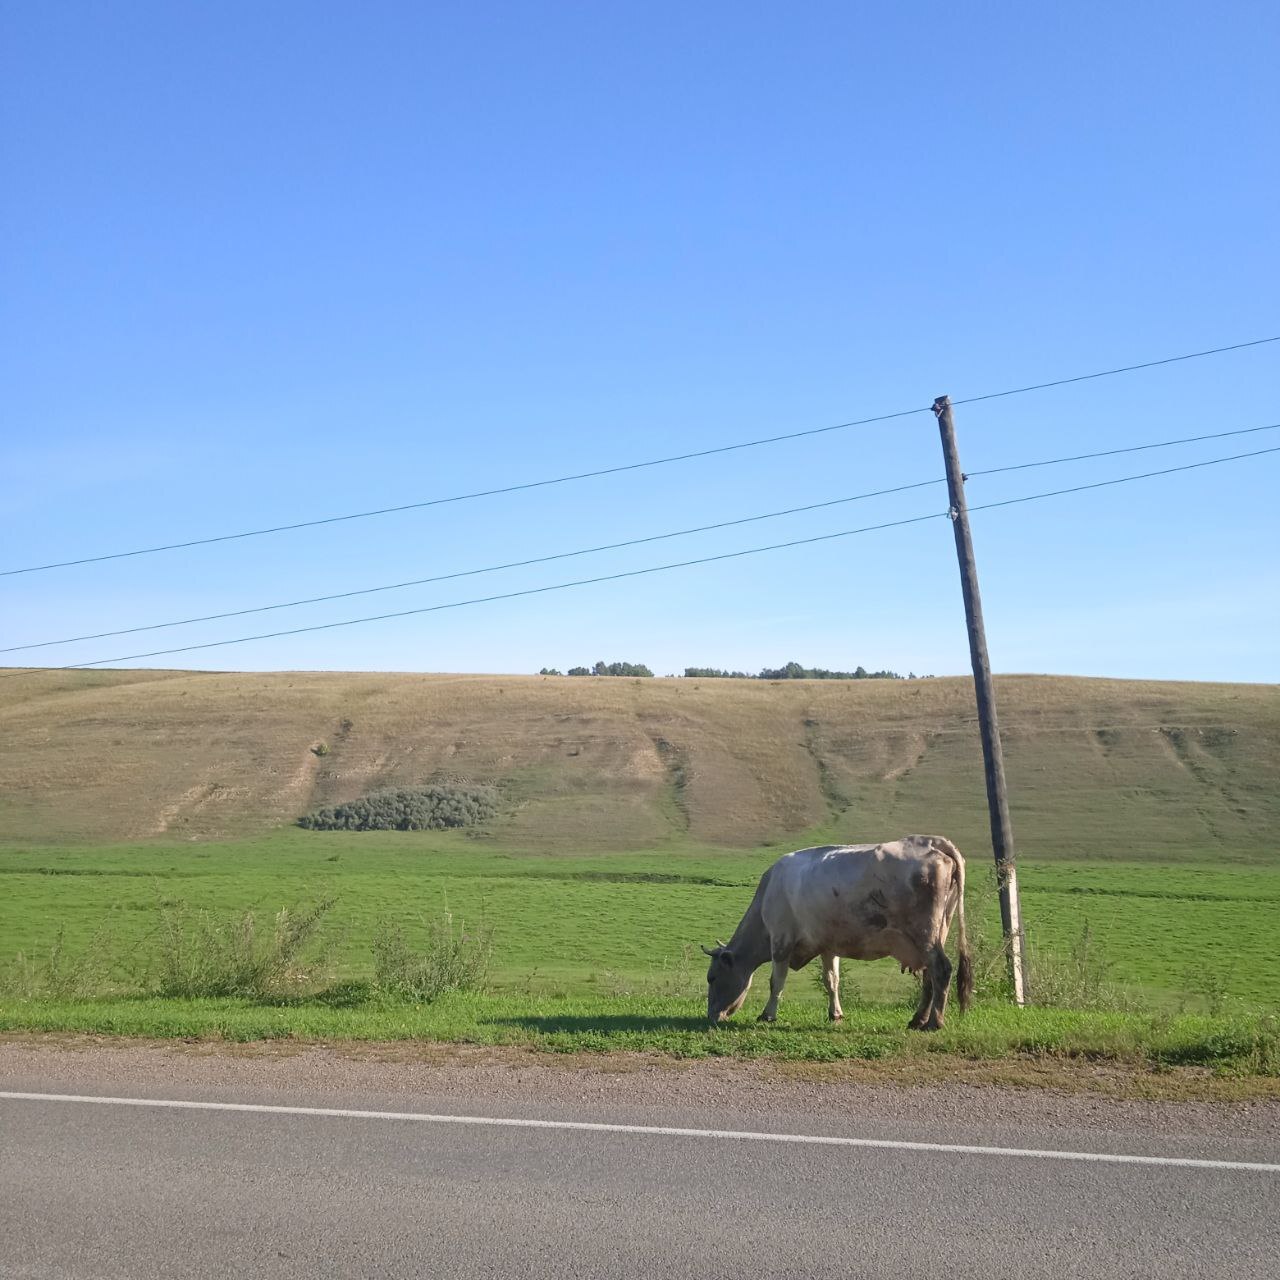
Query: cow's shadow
[(605, 1022)]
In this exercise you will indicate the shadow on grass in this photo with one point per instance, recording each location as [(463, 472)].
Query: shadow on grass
[(603, 1022), (342, 995)]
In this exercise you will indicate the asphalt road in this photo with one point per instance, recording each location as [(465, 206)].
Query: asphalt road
[(111, 1190)]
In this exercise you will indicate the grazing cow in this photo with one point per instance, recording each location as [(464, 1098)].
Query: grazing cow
[(863, 901)]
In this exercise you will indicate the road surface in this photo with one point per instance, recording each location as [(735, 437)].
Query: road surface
[(313, 1165)]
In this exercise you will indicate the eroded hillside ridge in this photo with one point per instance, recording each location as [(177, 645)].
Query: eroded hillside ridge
[(1157, 768)]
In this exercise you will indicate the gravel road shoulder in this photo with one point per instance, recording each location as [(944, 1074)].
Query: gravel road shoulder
[(642, 1087)]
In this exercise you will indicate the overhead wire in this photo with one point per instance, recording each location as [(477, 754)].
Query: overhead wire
[(617, 470), (1130, 448), (616, 546), (458, 497), (493, 568), (651, 569), (506, 595), (1107, 373), (629, 542), (1143, 475)]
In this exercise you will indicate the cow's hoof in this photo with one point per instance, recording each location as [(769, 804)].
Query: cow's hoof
[(767, 1017), (916, 1024), (835, 1017)]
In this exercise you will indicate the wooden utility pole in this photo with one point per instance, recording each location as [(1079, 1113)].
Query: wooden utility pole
[(993, 757)]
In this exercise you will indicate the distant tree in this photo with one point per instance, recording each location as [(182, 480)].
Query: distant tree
[(627, 669), (549, 671), (612, 669), (794, 671)]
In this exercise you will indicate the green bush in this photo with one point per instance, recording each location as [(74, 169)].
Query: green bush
[(411, 809)]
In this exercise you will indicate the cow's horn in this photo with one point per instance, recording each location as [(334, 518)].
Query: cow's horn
[(708, 952)]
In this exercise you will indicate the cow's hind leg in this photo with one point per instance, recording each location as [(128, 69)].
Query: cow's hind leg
[(925, 1007), (831, 980), (777, 980), (939, 969)]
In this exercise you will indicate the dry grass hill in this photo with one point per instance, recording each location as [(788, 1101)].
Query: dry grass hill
[(1096, 767)]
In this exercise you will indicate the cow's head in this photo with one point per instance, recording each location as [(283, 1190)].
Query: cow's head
[(728, 981)]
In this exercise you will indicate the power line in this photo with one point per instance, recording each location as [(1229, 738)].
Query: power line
[(1102, 484), (637, 573), (1111, 453), (608, 471), (470, 573), (616, 546), (507, 595), (459, 497), (1107, 373)]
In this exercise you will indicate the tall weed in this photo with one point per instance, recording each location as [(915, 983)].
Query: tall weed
[(449, 958), (198, 953), (1081, 979), (59, 972)]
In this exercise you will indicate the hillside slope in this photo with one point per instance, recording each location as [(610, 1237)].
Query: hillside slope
[(1097, 767)]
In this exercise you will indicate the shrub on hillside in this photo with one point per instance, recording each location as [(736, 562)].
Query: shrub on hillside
[(409, 809)]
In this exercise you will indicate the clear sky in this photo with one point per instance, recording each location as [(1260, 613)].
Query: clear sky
[(269, 262)]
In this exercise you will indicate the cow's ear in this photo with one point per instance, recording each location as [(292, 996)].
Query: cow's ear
[(726, 959)]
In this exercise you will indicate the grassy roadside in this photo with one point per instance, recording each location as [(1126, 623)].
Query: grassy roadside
[(1237, 1046)]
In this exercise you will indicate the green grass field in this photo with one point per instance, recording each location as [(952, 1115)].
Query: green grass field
[(1182, 937)]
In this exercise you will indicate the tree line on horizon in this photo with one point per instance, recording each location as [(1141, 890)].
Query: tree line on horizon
[(794, 671), (602, 669), (791, 671)]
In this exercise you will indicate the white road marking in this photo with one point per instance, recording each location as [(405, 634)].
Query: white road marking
[(584, 1126)]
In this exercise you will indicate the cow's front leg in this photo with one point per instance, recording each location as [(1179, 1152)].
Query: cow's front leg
[(777, 980), (831, 980)]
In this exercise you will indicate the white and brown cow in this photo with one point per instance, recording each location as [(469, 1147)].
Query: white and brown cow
[(864, 902)]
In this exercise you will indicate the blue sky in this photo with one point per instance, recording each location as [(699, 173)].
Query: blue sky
[(264, 263)]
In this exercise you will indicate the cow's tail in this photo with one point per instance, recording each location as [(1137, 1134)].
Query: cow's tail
[(964, 966)]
